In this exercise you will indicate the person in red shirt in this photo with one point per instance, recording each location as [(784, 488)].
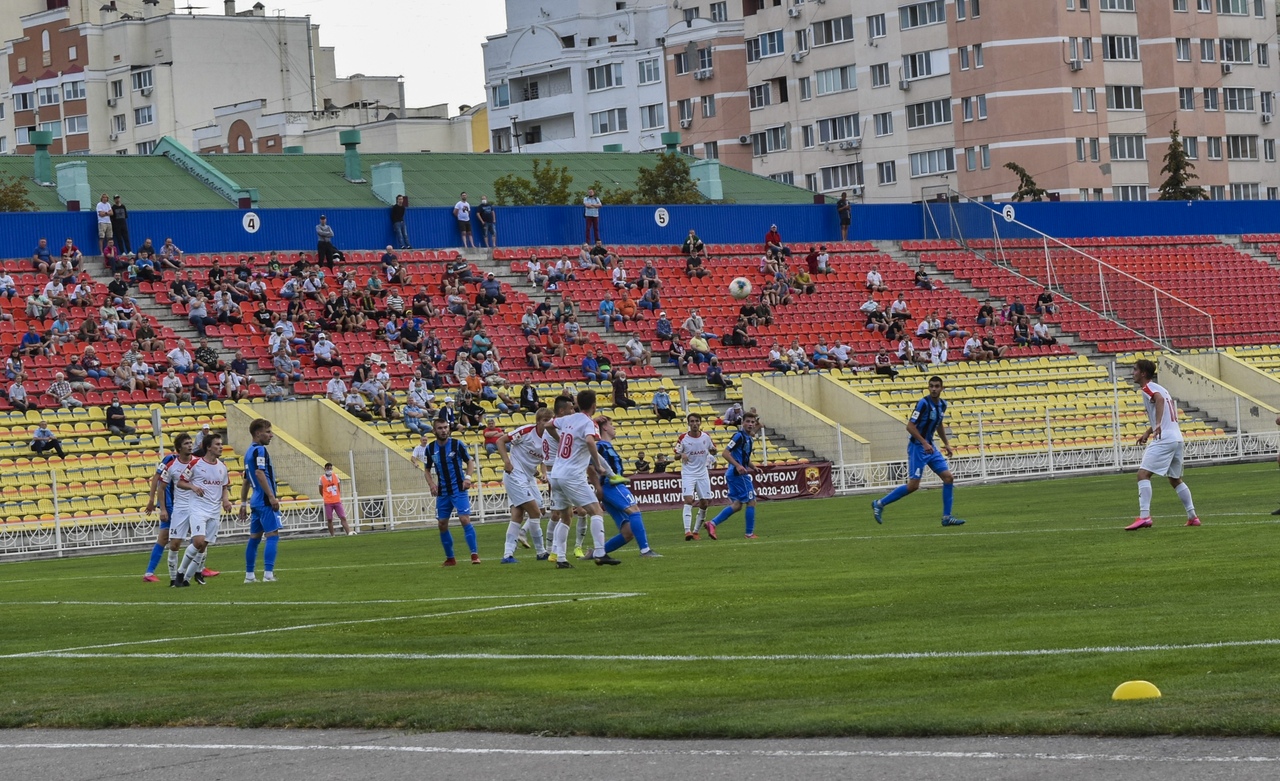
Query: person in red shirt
[(492, 433), (773, 243)]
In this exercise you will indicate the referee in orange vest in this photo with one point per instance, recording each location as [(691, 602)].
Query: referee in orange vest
[(331, 490)]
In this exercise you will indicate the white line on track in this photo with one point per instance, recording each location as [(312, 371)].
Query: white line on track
[(320, 625), (557, 752), (75, 653), (264, 603)]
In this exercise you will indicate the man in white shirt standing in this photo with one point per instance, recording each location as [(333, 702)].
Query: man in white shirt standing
[(210, 486), (1164, 455), (462, 213), (696, 452), (570, 487), (591, 211), (104, 210), (525, 452)]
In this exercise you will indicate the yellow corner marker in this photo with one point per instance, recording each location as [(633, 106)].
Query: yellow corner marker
[(1136, 690)]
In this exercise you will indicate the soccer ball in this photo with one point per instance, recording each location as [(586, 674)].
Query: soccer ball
[(740, 288)]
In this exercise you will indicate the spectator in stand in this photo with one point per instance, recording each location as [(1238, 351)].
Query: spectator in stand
[(60, 332), (663, 330), (143, 374), (778, 360), (586, 261), (661, 462), (974, 351), (534, 357), (922, 280), (92, 363), (678, 355), (422, 306), (952, 328), (694, 325), (986, 313), (1014, 311), (335, 389), (55, 292), (649, 277), (325, 250), (39, 306), (491, 292), (227, 311), (44, 440), (111, 256), (7, 286), (34, 343), (607, 312), (325, 353), (591, 214), (642, 465), (180, 358), (105, 233), (182, 290), (824, 261), (78, 375), (123, 377), (120, 225), (898, 310), (692, 245), (72, 253), (802, 283), (884, 363), (398, 226), (462, 215), (553, 344), (531, 324), (715, 375), (169, 256), (313, 287), (621, 391), (1040, 335), (13, 365), (487, 221), (274, 391), (1044, 303), (637, 353), (144, 268), (82, 293), (821, 355), (628, 311), (61, 392), (601, 257), (395, 303), (591, 367), (455, 303), (938, 349), (286, 369), (18, 394), (845, 213), (1021, 332), (773, 243), (171, 387), (700, 350), (798, 358), (661, 405), (618, 277), (876, 319), (875, 282), (649, 301), (907, 353), (206, 357), (535, 273), (198, 316), (416, 418), (232, 384), (529, 401), (42, 258), (739, 336), (693, 268), (929, 327)]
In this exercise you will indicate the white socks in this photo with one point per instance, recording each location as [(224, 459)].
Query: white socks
[(597, 533), (702, 518), (1184, 493), (688, 518), (533, 527), (173, 564), (582, 531), (1144, 498), (196, 565), (560, 540), (513, 534)]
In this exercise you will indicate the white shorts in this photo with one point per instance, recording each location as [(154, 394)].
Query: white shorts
[(202, 521), (697, 486), (1163, 457), (568, 493), (211, 530), (180, 524), (521, 489)]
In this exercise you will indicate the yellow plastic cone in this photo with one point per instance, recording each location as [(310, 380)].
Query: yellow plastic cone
[(1136, 690)]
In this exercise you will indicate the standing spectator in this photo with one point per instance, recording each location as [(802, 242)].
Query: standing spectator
[(487, 216), (325, 251), (103, 210), (120, 226), (331, 492), (845, 212), (398, 226), (43, 439), (591, 212), (462, 213)]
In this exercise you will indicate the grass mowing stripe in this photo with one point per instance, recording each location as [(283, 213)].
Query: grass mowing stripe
[(264, 603)]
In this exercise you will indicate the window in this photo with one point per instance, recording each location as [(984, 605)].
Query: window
[(1233, 7), (1260, 9), (1095, 152), (759, 96), (568, 42), (1210, 98), (1206, 50), (984, 152), (1115, 5), (691, 13), (1124, 98), (1244, 192), (708, 106), (117, 88), (1180, 6), (960, 10), (1217, 192), (1186, 98), (1183, 48), (23, 101), (1077, 101), (1214, 146), (840, 128), (880, 75), (1129, 192), (54, 127), (146, 147), (1080, 150), (806, 87), (705, 61), (1273, 193), (963, 54), (921, 14), (802, 39), (884, 124), (141, 80), (1242, 147), (772, 140), (682, 63), (887, 172), (604, 77), (917, 66), (23, 134), (830, 31), (935, 161), (836, 80), (1236, 50), (684, 109), (786, 177), (1237, 99), (981, 102), (977, 55), (76, 125), (501, 95), (143, 116), (1264, 55), (839, 177), (811, 182), (1119, 47), (720, 12), (612, 121), (73, 90), (1128, 148), (971, 159), (1269, 150), (876, 26), (1266, 102), (49, 96), (711, 150), (1191, 145), (966, 105), (119, 123), (1090, 99), (651, 116), (807, 136), (765, 45), (933, 112), (650, 71)]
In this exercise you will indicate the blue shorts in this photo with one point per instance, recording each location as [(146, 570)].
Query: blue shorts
[(616, 499), (263, 520), (447, 503), (917, 460), (741, 487)]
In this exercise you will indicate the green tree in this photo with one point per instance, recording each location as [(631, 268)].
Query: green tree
[(1028, 190), (1181, 172), (667, 182), (13, 195), (549, 186)]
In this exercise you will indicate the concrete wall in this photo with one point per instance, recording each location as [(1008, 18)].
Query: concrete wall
[(1198, 380), (295, 463), (793, 412)]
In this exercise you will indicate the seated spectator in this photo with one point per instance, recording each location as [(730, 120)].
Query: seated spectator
[(232, 384), (636, 353), (534, 357), (274, 391), (876, 319), (18, 398), (169, 256), (529, 401), (922, 280), (1015, 309), (416, 418), (607, 312), (929, 327), (715, 375), (692, 245), (778, 360), (144, 269), (61, 392), (986, 313), (642, 465), (13, 365), (693, 267), (907, 353), (180, 359), (798, 358), (899, 310), (470, 412), (821, 356), (649, 278), (606, 364), (802, 283), (60, 332), (974, 351), (42, 258), (123, 377), (422, 306), (325, 353), (286, 369), (700, 350), (143, 374), (39, 306), (678, 355), (591, 367), (491, 292), (649, 301), (8, 287), (531, 324), (201, 390), (884, 363), (824, 262), (895, 330), (600, 255), (92, 364), (573, 332), (585, 260), (661, 405), (621, 391), (739, 336), (72, 253), (1021, 332), (410, 336), (198, 316), (34, 343), (694, 325), (938, 349), (628, 311), (553, 345), (773, 243), (661, 462), (952, 328), (336, 390), (1040, 335), (172, 388), (663, 330), (44, 440), (1044, 303)]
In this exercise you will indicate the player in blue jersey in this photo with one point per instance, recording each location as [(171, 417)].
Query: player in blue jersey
[(925, 422), (263, 508), (161, 498), (737, 478), (450, 474), (616, 497)]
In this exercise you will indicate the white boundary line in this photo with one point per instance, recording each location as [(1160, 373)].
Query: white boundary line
[(318, 625), (74, 653), (264, 603), (587, 752)]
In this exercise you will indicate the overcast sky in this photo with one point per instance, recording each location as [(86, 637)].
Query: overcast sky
[(434, 44)]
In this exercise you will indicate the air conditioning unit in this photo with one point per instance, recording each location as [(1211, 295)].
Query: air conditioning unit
[(146, 92), (1076, 65), (793, 12), (1266, 118), (798, 56), (904, 85), (114, 136), (112, 102), (856, 189), (686, 123), (702, 74), (744, 139), (1226, 68), (852, 143)]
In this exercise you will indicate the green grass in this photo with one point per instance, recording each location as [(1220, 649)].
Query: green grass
[(1039, 566)]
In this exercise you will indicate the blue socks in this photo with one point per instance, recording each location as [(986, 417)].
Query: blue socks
[(751, 519), (637, 531), (157, 551), (251, 555), (948, 490), (470, 533), (446, 539), (895, 495), (615, 542), (723, 515), (269, 554)]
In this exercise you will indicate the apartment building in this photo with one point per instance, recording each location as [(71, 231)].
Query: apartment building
[(893, 101)]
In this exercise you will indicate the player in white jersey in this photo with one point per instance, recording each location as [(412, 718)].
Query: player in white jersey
[(525, 452), (1163, 455), (696, 452), (209, 483), (180, 515), (164, 493), (570, 486)]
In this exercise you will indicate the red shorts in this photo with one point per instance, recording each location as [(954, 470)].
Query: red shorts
[(332, 508)]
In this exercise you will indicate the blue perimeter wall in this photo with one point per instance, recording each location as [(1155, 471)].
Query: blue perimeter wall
[(292, 229)]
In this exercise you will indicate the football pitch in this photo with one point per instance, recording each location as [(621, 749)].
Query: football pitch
[(1020, 622)]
